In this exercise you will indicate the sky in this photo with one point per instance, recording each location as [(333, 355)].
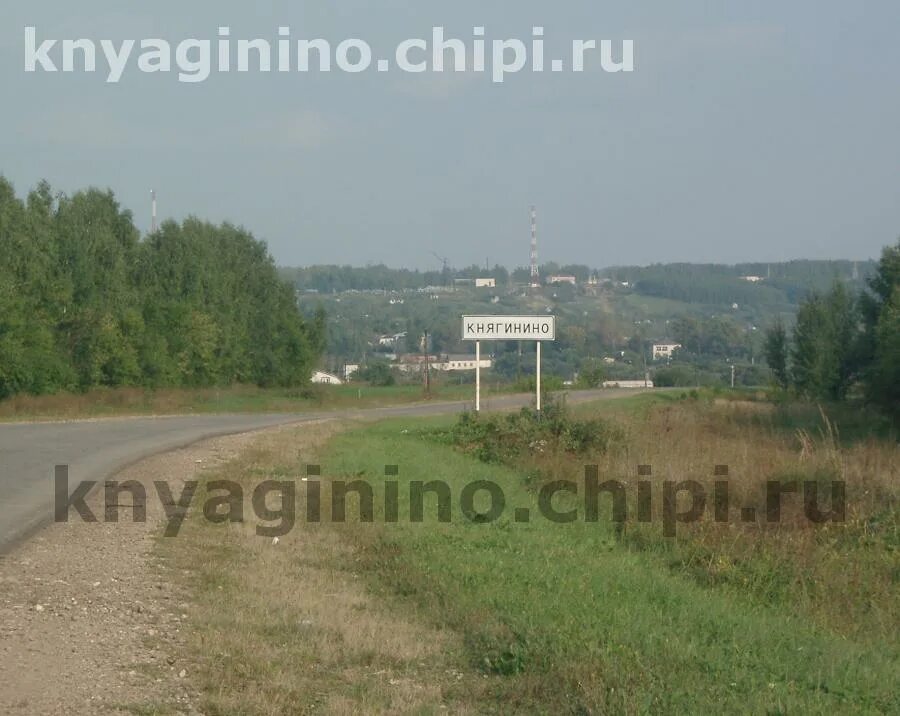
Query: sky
[(760, 131)]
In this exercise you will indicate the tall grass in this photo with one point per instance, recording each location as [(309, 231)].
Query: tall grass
[(843, 575)]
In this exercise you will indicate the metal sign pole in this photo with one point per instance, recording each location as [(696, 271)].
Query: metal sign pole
[(538, 381), (477, 376)]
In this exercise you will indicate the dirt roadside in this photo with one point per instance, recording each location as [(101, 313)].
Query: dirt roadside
[(86, 625)]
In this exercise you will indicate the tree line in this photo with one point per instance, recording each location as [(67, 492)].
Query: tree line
[(842, 340), (85, 301)]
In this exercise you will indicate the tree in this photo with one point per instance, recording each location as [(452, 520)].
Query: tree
[(84, 302), (776, 349), (880, 343), (824, 358), (378, 374), (884, 374), (591, 374)]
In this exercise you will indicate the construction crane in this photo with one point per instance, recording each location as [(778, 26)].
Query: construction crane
[(445, 267)]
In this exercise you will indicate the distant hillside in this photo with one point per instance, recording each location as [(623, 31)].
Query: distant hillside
[(781, 284)]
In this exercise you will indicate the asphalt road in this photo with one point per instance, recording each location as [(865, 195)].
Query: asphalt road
[(97, 449)]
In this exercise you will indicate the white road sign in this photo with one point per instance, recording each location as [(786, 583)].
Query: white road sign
[(509, 328)]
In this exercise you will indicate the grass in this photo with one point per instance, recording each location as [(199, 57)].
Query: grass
[(292, 627), (575, 620), (236, 399), (536, 616)]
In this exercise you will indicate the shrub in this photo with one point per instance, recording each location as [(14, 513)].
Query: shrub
[(507, 438)]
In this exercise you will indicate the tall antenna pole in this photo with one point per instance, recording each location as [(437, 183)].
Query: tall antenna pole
[(153, 224), (535, 278)]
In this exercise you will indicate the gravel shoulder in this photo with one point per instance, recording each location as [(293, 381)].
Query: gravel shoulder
[(86, 625)]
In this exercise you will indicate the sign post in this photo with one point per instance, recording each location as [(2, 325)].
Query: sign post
[(477, 376), (508, 328)]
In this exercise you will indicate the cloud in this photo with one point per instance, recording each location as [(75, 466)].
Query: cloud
[(79, 126), (439, 86), (300, 129)]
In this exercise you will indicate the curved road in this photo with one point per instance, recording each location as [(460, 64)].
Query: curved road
[(97, 449)]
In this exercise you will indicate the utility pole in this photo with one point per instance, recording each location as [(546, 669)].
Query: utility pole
[(535, 276), (153, 223), (427, 373), (732, 375)]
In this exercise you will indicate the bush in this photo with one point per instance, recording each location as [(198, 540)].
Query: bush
[(378, 374), (507, 438)]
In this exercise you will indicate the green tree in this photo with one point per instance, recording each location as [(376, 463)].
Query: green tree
[(776, 349), (85, 302), (378, 373), (884, 374), (880, 343), (824, 357), (591, 374)]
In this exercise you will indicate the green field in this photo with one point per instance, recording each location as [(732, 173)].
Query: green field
[(575, 621)]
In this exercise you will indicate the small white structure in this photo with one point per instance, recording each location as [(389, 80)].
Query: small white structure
[(752, 279), (485, 283), (664, 350), (320, 376), (562, 279), (391, 340), (350, 369), (462, 362), (627, 383), (415, 363)]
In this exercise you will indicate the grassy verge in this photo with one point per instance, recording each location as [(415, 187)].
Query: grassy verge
[(576, 620), (236, 399), (536, 616), (292, 627)]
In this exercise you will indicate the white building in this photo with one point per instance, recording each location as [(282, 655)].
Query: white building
[(391, 340), (752, 279), (320, 376), (350, 369), (664, 350), (415, 363), (485, 283), (562, 279), (461, 362), (627, 383)]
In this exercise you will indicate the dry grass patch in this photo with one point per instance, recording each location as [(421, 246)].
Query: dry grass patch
[(844, 575), (292, 627)]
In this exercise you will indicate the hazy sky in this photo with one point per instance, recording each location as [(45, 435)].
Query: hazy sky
[(748, 131)]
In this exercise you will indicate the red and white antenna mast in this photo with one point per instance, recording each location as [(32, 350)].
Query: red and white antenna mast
[(535, 277)]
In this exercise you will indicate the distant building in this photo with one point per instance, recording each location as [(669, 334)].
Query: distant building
[(350, 369), (414, 362), (391, 340), (485, 283), (461, 362), (562, 279), (320, 376), (627, 383), (752, 279), (664, 350)]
